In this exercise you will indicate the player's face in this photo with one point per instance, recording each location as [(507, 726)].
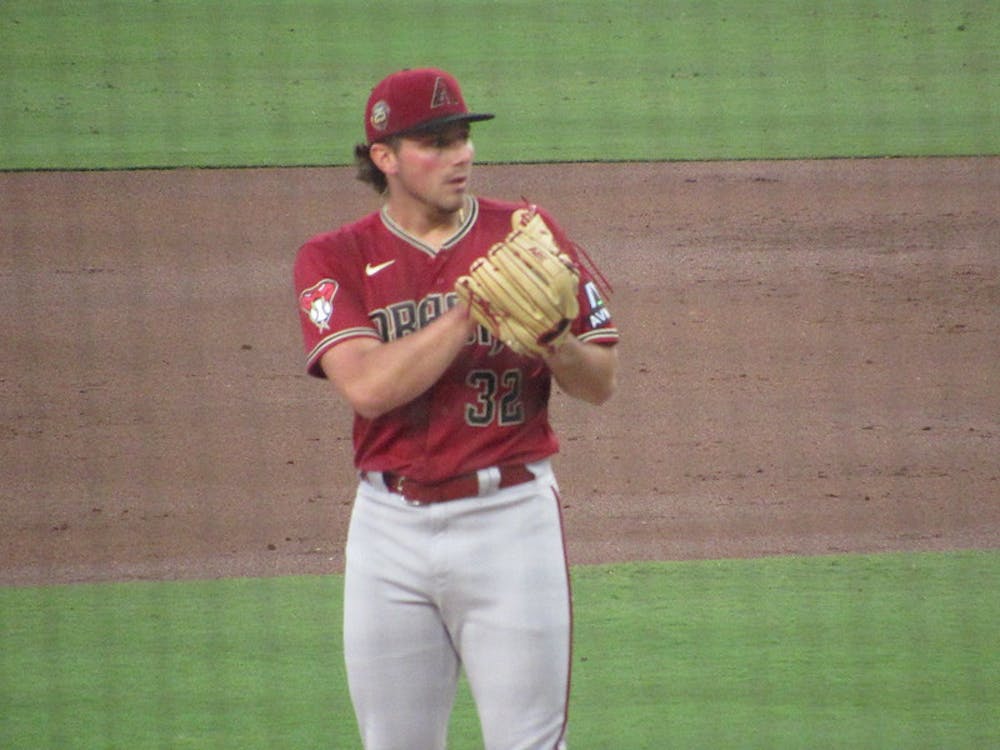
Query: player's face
[(434, 168)]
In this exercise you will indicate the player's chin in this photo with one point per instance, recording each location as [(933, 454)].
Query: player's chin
[(453, 198)]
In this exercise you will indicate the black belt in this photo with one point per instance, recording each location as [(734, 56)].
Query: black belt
[(454, 488)]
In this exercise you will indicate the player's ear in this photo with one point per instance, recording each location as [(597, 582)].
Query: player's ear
[(384, 157)]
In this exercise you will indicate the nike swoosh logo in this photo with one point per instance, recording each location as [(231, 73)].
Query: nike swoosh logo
[(371, 270)]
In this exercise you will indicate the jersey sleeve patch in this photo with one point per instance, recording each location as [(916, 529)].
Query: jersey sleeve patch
[(317, 302)]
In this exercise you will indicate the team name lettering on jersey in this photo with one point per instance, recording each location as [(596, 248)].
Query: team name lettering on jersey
[(408, 316)]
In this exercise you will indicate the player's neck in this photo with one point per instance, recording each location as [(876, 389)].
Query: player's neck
[(430, 226)]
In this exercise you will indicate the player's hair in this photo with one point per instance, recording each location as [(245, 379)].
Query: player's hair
[(367, 171)]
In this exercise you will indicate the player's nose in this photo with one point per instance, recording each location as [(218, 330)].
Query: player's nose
[(464, 151)]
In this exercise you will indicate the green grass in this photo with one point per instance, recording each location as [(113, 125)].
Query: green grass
[(227, 664), (891, 651), (888, 651), (117, 83)]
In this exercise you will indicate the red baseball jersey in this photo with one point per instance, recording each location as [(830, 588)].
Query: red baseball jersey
[(372, 279)]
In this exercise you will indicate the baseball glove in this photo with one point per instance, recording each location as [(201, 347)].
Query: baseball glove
[(524, 289)]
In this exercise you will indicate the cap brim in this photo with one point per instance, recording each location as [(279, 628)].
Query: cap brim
[(431, 125)]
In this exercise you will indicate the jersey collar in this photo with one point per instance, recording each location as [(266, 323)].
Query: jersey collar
[(469, 214)]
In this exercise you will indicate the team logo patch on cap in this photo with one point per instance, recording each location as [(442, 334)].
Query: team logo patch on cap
[(443, 96), (380, 115), (317, 302)]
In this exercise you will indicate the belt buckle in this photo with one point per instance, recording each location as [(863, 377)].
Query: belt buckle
[(398, 488)]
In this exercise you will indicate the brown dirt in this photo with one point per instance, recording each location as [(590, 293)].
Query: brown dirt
[(809, 365)]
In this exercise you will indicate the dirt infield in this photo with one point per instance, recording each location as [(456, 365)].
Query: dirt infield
[(810, 365)]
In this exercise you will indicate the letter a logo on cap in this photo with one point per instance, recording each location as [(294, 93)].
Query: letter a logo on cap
[(442, 96)]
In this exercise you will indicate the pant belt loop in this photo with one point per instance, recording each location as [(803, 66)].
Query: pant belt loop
[(375, 478), (539, 467), (489, 480)]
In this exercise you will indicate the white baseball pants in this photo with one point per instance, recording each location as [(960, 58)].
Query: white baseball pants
[(479, 583)]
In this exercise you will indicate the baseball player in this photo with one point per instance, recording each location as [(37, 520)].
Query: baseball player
[(442, 318)]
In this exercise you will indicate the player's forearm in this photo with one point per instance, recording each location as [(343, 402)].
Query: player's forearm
[(382, 377), (585, 371)]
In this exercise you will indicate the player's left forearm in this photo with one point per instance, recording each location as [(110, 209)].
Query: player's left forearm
[(585, 371)]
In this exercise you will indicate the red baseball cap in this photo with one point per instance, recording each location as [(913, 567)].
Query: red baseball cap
[(412, 101)]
